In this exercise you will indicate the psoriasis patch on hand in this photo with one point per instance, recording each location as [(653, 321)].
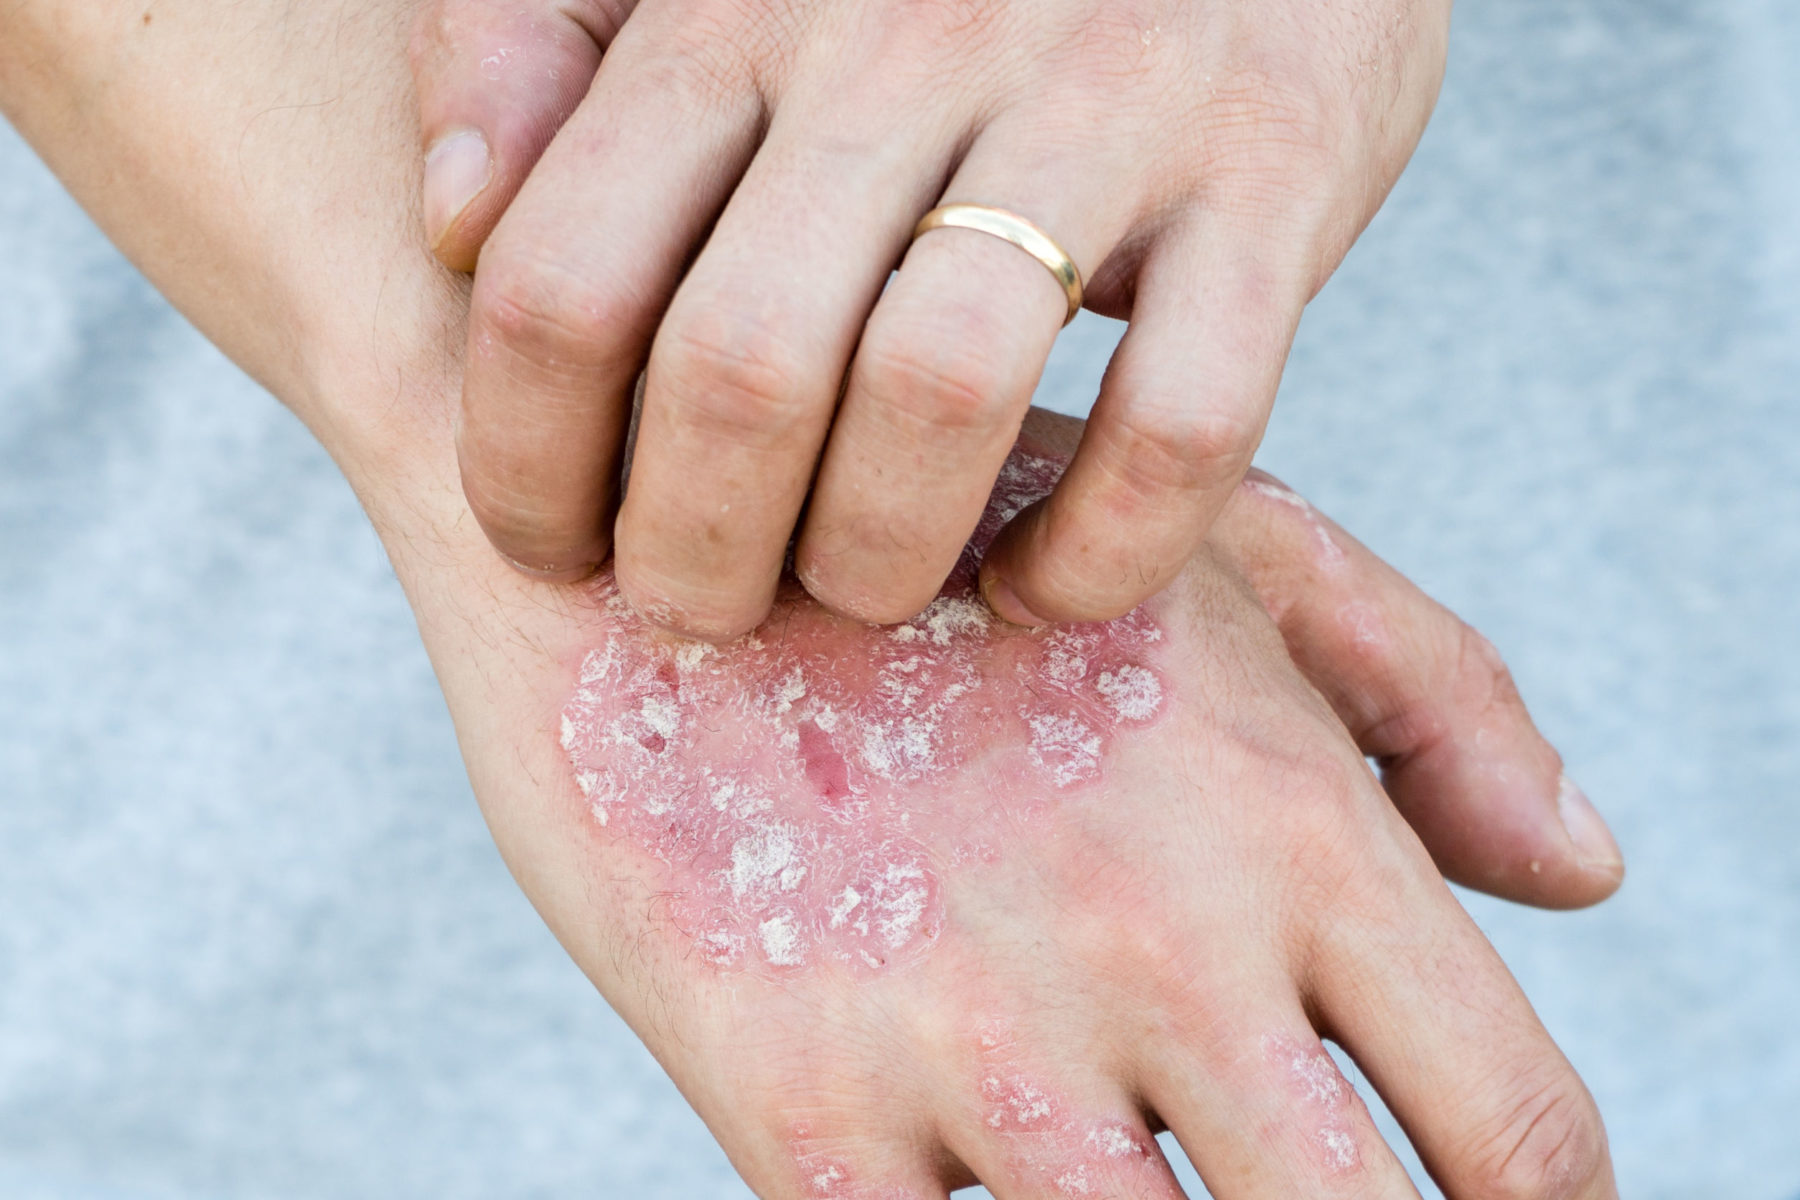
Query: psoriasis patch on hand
[(806, 786), (1051, 1147), (1321, 1095)]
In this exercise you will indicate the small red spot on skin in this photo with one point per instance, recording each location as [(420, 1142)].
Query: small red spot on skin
[(825, 766), (806, 787)]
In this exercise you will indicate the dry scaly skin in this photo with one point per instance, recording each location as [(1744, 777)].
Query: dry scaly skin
[(806, 787)]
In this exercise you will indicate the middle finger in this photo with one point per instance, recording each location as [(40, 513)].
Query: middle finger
[(746, 368)]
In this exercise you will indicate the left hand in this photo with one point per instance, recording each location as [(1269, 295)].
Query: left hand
[(1206, 165)]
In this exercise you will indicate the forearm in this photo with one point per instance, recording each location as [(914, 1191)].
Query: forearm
[(257, 161)]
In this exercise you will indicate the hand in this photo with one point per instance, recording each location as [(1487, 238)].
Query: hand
[(1316, 892), (957, 903), (1206, 165)]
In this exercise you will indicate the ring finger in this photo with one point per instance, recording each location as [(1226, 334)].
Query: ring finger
[(945, 372), (1263, 1111), (1440, 1014)]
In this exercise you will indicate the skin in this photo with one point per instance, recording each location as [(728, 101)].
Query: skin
[(1163, 942), (721, 188)]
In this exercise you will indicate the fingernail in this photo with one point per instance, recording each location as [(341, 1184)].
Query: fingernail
[(1006, 604), (457, 169), (1594, 845)]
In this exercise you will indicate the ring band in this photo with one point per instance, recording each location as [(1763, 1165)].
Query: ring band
[(1015, 229)]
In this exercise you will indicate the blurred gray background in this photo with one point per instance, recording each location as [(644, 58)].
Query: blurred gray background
[(254, 941)]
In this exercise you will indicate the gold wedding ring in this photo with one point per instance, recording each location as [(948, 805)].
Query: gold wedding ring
[(1015, 229)]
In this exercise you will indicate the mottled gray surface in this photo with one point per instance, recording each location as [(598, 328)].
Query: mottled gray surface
[(254, 941)]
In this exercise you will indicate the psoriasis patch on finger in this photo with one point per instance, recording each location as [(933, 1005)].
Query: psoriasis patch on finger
[(1045, 1142), (806, 787), (1329, 555), (1323, 1100), (825, 1175)]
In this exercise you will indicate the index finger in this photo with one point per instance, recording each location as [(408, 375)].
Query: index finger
[(572, 284)]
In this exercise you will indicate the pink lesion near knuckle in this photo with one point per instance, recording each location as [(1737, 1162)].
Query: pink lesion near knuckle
[(810, 789), (1050, 1142), (1326, 1113), (825, 1172), (1324, 553)]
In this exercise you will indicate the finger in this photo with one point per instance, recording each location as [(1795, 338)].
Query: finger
[(1179, 415), (495, 82), (941, 382), (1024, 1139), (748, 364), (833, 1155), (1431, 1015), (572, 284), (1263, 1111), (1430, 699)]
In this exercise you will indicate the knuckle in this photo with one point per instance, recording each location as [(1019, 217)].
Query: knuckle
[(701, 62), (1270, 117), (1548, 1145), (530, 535), (1486, 681), (1170, 448), (962, 24), (1322, 819), (735, 377), (1113, 51), (954, 388), (547, 312), (1328, 815)]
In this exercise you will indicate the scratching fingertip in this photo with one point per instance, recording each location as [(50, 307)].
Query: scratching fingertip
[(1004, 602), (458, 168)]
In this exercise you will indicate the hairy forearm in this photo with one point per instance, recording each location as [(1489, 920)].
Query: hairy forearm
[(257, 161)]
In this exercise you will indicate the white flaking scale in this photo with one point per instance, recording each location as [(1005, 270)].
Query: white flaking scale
[(1017, 1105), (1320, 1091), (1331, 555), (781, 941), (1134, 692), (804, 787), (1047, 1141)]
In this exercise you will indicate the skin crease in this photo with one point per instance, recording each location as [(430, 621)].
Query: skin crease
[(1233, 877), (1206, 165)]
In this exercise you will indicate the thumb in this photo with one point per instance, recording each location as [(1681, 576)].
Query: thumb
[(495, 81), (1427, 697)]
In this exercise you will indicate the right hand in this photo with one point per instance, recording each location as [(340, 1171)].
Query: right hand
[(723, 210)]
